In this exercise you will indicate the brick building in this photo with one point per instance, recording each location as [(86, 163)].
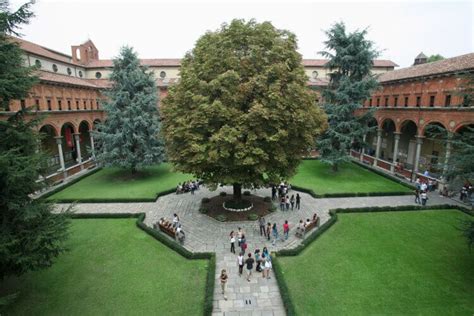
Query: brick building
[(409, 103), (70, 92)]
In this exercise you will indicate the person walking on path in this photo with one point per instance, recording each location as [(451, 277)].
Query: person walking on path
[(287, 202), (243, 244), (269, 230), (257, 260), (292, 202), (232, 242), (240, 263), (175, 220), (298, 201), (223, 282), (286, 229), (424, 198), (417, 196), (249, 262), (274, 193), (239, 236), (282, 203), (274, 233), (267, 266), (261, 223)]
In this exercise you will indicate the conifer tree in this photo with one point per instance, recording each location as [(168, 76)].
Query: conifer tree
[(241, 113), (31, 236), (351, 58), (129, 137)]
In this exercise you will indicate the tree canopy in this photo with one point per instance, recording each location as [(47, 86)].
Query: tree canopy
[(241, 113), (433, 58), (129, 137), (350, 62)]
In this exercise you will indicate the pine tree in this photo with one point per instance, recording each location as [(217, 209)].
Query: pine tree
[(241, 113), (129, 137), (351, 57), (31, 236)]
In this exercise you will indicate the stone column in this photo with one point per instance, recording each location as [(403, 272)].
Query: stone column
[(77, 138), (59, 141), (92, 145), (396, 137), (362, 151), (419, 142), (448, 154), (379, 146)]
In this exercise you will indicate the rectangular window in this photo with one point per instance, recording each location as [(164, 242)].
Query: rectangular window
[(418, 101), (370, 102), (60, 105), (92, 104), (406, 102), (85, 104), (432, 100), (37, 104), (77, 105), (386, 102), (69, 105), (48, 102), (97, 102), (378, 102), (447, 100), (23, 104), (395, 102)]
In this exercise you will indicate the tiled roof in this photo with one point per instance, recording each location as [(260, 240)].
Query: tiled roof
[(322, 62), (63, 79), (156, 62), (42, 51), (463, 62)]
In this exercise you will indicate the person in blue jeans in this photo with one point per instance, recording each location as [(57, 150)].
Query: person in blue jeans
[(274, 233)]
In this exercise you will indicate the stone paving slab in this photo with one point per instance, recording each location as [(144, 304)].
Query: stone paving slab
[(259, 296)]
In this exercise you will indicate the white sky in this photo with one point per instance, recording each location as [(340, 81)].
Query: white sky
[(165, 29)]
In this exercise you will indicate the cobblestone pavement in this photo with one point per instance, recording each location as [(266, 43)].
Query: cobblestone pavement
[(259, 296)]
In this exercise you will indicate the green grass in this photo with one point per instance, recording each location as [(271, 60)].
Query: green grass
[(319, 177), (396, 263), (112, 268), (114, 183)]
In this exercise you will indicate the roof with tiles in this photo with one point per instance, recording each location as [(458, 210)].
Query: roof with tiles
[(449, 65), (42, 51), (155, 62), (63, 79)]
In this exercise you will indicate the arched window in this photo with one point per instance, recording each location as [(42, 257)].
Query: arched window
[(69, 71), (98, 75), (55, 68), (162, 75), (38, 63), (80, 73)]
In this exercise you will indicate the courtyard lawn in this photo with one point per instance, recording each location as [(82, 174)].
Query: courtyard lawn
[(350, 179), (114, 184), (393, 263), (112, 268)]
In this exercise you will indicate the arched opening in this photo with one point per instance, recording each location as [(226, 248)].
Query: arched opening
[(407, 145), (50, 148), (386, 150), (85, 140), (433, 150), (69, 145)]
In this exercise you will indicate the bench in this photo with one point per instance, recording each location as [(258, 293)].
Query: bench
[(166, 227), (312, 224)]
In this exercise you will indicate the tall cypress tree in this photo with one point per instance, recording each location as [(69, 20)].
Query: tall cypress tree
[(129, 137), (31, 236), (351, 58)]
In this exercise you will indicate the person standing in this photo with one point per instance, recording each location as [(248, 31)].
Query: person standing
[(232, 242), (274, 233), (269, 229), (223, 282), (267, 267), (292, 201), (249, 262), (239, 236), (424, 198), (298, 201), (274, 193), (417, 196), (240, 263), (282, 203), (287, 202), (175, 220), (286, 229), (243, 244), (261, 223), (257, 260)]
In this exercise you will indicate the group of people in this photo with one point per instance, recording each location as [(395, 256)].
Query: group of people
[(421, 190), (466, 192), (188, 186), (286, 202), (173, 226)]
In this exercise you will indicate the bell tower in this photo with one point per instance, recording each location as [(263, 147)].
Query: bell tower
[(84, 53)]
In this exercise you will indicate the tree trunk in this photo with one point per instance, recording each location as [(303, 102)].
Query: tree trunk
[(237, 191)]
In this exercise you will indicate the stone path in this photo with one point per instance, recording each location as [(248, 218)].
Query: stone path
[(260, 296)]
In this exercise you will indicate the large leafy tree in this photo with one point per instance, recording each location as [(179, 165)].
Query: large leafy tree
[(351, 58), (435, 57), (129, 137), (241, 113), (31, 236)]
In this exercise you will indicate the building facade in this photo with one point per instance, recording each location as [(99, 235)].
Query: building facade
[(414, 107), (71, 90)]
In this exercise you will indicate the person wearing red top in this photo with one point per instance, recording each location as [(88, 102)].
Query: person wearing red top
[(286, 229)]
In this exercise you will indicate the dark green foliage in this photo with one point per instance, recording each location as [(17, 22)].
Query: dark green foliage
[(247, 193), (223, 193), (241, 112), (351, 58), (435, 57), (467, 228), (15, 79), (252, 217), (221, 218), (267, 199), (31, 237), (203, 210), (129, 137), (205, 200)]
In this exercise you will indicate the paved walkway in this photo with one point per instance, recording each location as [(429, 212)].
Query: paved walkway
[(260, 296)]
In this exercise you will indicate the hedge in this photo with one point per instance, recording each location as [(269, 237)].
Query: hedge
[(285, 295), (173, 245), (353, 194)]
